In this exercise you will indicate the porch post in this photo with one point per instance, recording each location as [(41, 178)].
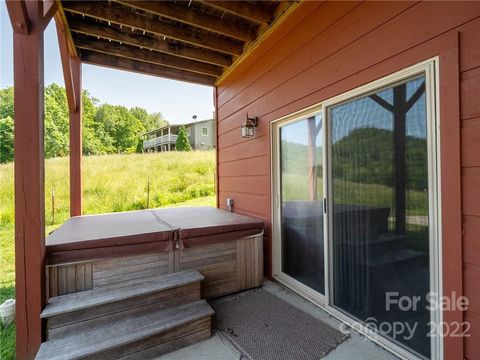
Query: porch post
[(76, 141), (29, 181), (168, 141)]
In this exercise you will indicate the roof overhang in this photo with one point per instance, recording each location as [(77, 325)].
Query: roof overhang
[(194, 41)]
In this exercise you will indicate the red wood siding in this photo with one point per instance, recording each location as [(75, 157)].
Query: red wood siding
[(326, 48), (470, 147)]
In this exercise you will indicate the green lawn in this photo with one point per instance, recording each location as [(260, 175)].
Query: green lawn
[(111, 183)]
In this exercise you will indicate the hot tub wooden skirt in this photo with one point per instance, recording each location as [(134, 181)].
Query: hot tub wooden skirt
[(228, 267)]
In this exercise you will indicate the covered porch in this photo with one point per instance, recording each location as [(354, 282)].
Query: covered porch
[(153, 267), (336, 177)]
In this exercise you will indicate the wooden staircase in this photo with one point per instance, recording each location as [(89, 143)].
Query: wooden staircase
[(138, 319)]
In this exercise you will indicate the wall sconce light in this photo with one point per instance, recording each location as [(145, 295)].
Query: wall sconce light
[(248, 129)]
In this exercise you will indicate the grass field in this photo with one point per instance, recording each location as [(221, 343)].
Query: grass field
[(110, 183)]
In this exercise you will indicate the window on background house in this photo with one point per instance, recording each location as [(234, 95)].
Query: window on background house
[(189, 131), (205, 131)]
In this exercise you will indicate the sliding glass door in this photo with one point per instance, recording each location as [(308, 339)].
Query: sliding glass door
[(301, 183), (380, 209), (356, 208)]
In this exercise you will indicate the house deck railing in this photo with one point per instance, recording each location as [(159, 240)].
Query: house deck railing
[(159, 141)]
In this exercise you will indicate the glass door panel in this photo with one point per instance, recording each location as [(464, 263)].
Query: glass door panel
[(380, 230), (301, 183)]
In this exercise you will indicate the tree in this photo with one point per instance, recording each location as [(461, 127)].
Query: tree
[(6, 125), (149, 121), (106, 129), (6, 139), (121, 126), (6, 102), (95, 141), (157, 120), (182, 143), (56, 122)]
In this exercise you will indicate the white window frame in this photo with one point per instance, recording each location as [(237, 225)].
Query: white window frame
[(206, 131), (430, 69)]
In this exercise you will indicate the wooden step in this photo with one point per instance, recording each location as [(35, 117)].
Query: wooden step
[(140, 335), (69, 313)]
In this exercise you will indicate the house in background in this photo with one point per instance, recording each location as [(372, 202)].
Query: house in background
[(200, 134), (161, 139)]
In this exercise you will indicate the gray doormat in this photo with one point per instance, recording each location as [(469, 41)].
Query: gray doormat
[(263, 327)]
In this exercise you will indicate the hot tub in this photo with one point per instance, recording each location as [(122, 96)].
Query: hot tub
[(97, 250)]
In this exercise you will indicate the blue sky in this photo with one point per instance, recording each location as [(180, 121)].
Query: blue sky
[(176, 100)]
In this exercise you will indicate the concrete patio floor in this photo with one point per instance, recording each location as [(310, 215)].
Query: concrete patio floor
[(356, 347)]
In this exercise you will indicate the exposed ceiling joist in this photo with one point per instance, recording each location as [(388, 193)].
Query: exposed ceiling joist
[(135, 53), (96, 58), (123, 17), (194, 17), (199, 41), (243, 9), (149, 41), (282, 11)]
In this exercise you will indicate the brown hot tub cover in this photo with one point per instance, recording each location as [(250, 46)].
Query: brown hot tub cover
[(206, 225), (135, 232)]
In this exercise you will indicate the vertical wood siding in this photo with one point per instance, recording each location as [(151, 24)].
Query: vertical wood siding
[(327, 48), (228, 267), (66, 279)]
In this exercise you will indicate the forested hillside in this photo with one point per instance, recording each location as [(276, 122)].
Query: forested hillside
[(363, 150), (370, 148), (107, 129)]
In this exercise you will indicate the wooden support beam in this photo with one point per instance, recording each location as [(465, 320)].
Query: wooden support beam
[(148, 41), (76, 141), (194, 17), (67, 71), (135, 53), (215, 136), (49, 9), (120, 63), (17, 11), (61, 17), (131, 19), (29, 183), (255, 13)]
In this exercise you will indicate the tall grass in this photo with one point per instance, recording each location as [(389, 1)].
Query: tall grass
[(111, 183), (119, 183)]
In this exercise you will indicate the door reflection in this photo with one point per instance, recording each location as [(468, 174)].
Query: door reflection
[(380, 202), (301, 152)]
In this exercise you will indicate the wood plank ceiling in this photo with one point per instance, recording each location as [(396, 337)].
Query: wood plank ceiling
[(194, 41)]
